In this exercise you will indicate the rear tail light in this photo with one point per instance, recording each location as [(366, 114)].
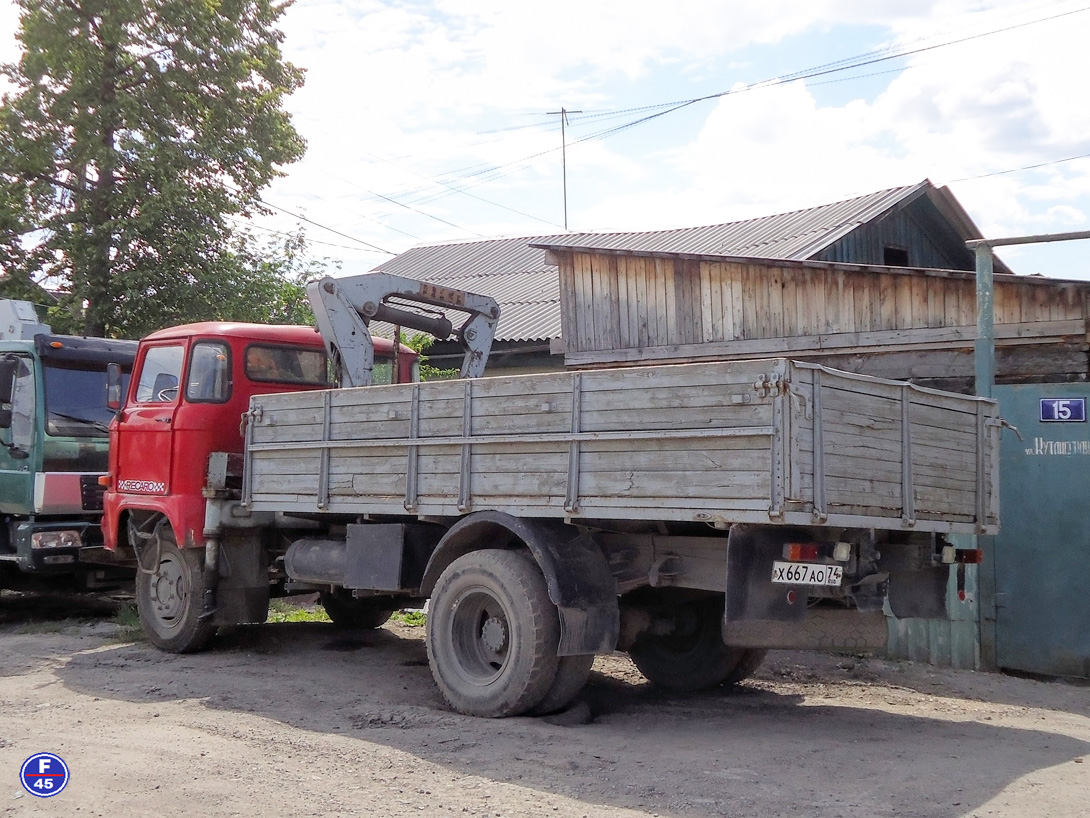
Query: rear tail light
[(801, 551), (962, 556)]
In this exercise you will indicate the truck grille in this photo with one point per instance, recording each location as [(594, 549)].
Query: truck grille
[(91, 492)]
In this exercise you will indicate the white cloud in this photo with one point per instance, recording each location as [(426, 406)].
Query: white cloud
[(399, 93)]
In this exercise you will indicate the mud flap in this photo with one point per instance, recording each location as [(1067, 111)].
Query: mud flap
[(919, 594), (761, 614), (242, 595)]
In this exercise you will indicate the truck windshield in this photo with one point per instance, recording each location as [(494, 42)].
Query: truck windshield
[(75, 401)]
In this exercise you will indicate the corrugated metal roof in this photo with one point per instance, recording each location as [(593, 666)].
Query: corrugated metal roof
[(796, 235), (527, 288)]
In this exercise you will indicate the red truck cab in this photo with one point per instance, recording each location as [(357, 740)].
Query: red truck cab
[(190, 387)]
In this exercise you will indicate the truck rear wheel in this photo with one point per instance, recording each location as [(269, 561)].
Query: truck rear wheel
[(366, 613), (572, 673), (169, 595), (493, 634), (693, 657)]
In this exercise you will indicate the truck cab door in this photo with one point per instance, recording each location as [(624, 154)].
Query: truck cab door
[(18, 453), (144, 438)]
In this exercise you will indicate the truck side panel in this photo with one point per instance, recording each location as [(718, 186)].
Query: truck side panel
[(753, 441)]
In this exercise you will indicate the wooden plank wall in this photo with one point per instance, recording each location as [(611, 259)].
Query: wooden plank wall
[(662, 441), (722, 441), (626, 308)]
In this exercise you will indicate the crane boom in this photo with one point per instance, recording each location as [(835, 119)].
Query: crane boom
[(345, 307)]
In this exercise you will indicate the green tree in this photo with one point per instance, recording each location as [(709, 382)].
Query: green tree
[(135, 129), (420, 342)]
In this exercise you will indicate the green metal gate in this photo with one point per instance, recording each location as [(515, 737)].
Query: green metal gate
[(1041, 557)]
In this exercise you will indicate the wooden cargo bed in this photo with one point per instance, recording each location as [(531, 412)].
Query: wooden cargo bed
[(765, 441)]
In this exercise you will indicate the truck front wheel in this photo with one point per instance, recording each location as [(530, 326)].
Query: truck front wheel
[(493, 633), (693, 656), (169, 595)]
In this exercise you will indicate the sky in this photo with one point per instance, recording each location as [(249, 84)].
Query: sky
[(435, 120)]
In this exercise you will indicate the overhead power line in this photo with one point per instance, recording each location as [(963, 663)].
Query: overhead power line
[(483, 173), (1019, 170), (303, 218)]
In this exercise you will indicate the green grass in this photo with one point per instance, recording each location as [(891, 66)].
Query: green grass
[(128, 624), (414, 619), (281, 610)]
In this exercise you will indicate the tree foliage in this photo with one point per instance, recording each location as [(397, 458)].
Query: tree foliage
[(135, 130)]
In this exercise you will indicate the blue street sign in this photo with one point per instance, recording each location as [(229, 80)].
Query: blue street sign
[(1063, 410)]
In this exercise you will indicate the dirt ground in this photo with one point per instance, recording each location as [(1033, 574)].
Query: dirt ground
[(301, 720)]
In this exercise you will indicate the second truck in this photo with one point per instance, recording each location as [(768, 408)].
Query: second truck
[(53, 440), (693, 515)]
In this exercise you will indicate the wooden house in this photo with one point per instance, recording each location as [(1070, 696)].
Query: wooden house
[(629, 307), (917, 226)]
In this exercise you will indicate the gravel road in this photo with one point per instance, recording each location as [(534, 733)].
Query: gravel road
[(302, 720)]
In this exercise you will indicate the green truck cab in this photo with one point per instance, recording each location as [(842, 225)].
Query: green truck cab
[(54, 426)]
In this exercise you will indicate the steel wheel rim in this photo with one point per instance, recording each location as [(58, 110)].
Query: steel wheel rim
[(480, 635), (168, 591)]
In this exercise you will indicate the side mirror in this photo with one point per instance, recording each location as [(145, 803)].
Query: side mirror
[(113, 386), (9, 364)]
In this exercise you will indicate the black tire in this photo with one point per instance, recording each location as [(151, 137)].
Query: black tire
[(350, 613), (170, 594), (572, 673), (748, 663), (493, 634), (693, 657)]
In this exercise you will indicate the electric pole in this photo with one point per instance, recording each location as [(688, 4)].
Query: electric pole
[(563, 114)]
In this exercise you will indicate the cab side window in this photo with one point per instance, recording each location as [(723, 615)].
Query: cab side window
[(24, 398), (160, 375), (209, 379), (284, 364)]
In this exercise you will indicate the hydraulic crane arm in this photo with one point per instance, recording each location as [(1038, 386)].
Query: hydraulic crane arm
[(345, 307)]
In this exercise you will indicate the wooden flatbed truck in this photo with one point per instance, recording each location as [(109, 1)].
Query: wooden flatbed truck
[(694, 515)]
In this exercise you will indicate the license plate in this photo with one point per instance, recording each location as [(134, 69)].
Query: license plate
[(803, 573)]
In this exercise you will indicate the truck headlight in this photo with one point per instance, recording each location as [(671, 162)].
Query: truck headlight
[(64, 538)]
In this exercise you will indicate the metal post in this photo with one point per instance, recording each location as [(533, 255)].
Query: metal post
[(985, 321), (563, 113), (985, 387)]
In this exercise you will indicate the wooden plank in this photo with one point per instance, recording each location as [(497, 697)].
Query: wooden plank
[(863, 306), (569, 303), (835, 307), (902, 296), (792, 311), (698, 463), (697, 418), (611, 336), (815, 294), (773, 327), (638, 267), (884, 303), (716, 323), (917, 340), (918, 289), (692, 268), (662, 310), (936, 302), (584, 298), (669, 487), (737, 303), (967, 303)]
